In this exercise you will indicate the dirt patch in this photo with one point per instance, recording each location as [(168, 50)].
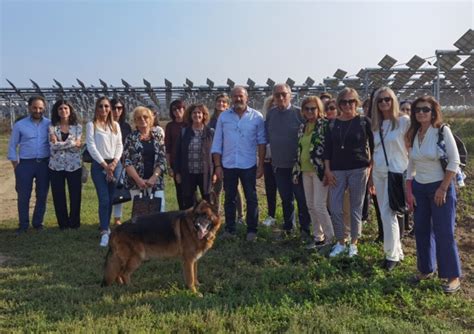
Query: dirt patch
[(8, 207)]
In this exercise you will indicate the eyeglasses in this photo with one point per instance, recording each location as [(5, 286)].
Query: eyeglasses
[(346, 102), (311, 109), (332, 108), (117, 108), (424, 110), (104, 106), (384, 99), (282, 94)]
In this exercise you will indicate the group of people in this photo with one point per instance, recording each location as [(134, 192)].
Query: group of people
[(325, 155)]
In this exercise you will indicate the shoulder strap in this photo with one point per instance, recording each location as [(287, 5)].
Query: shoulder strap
[(440, 133), (383, 144)]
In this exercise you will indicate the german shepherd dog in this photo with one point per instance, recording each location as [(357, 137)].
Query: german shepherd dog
[(186, 234)]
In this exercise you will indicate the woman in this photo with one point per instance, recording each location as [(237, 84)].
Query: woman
[(311, 164), (405, 107), (347, 151), (193, 162), (65, 164), (119, 115), (387, 124), (330, 108), (104, 143), (144, 156), (172, 133), (433, 191)]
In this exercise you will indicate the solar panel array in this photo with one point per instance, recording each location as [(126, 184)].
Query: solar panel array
[(450, 78)]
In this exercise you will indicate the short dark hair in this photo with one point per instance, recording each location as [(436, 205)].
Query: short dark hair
[(36, 98), (55, 119), (176, 104)]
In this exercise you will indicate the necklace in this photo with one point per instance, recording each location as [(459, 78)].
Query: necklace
[(341, 138), (421, 136)]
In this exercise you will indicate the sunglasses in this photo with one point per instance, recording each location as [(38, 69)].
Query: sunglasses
[(117, 108), (424, 110), (283, 94), (104, 106), (332, 108), (346, 102), (311, 109), (384, 99)]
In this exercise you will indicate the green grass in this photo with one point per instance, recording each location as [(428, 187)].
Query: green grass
[(51, 283)]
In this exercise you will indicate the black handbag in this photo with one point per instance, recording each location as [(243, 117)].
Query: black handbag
[(145, 203), (121, 194), (396, 186), (86, 156)]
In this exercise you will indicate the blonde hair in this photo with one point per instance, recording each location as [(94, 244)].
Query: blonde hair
[(377, 117), (139, 111), (309, 99), (344, 92), (109, 121)]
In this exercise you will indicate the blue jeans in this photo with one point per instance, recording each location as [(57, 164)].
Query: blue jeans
[(105, 193), (288, 193), (434, 231), (25, 172), (248, 179)]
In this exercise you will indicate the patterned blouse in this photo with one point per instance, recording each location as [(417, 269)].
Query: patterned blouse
[(65, 155), (316, 149), (132, 156), (195, 164)]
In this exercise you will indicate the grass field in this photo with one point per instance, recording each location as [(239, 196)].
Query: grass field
[(50, 283)]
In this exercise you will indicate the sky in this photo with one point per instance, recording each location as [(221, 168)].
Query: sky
[(154, 40)]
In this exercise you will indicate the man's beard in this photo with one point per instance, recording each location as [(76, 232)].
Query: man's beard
[(37, 115), (240, 106)]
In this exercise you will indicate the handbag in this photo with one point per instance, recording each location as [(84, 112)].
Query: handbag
[(86, 156), (145, 203), (396, 186), (85, 174), (121, 194)]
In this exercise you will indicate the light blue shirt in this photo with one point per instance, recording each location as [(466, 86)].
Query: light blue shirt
[(30, 138), (236, 138)]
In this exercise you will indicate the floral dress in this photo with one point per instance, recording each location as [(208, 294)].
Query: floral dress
[(133, 156)]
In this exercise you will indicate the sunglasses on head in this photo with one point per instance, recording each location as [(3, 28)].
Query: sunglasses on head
[(384, 99), (346, 102), (311, 109), (424, 110)]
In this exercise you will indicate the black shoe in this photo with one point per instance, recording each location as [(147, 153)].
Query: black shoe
[(390, 265), (39, 228), (20, 231)]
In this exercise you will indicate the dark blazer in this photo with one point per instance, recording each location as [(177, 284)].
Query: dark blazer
[(180, 163)]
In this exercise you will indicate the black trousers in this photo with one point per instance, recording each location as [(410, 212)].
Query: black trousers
[(270, 188), (189, 194), (58, 181)]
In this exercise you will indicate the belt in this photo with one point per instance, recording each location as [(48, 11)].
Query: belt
[(35, 160)]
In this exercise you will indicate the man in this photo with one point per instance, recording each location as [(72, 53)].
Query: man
[(282, 124), (30, 137), (240, 132)]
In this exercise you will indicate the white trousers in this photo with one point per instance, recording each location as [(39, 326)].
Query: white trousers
[(316, 200), (392, 245)]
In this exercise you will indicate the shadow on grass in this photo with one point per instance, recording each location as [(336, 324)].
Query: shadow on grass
[(58, 273)]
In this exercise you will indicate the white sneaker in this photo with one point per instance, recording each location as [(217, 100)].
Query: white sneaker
[(353, 250), (337, 249), (269, 221), (104, 240)]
